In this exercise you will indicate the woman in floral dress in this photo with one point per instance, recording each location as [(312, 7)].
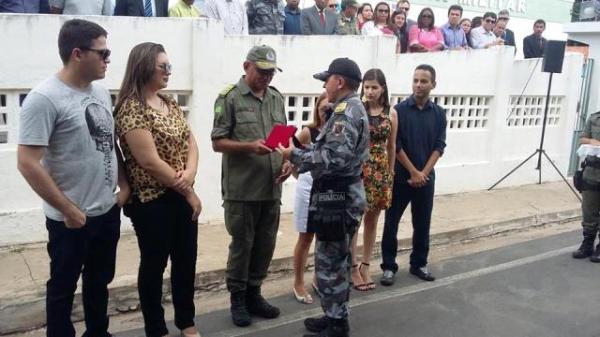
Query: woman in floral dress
[(378, 170)]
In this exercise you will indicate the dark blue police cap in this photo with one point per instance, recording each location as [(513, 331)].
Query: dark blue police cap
[(341, 66)]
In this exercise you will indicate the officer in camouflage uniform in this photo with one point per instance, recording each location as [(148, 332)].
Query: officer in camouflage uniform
[(338, 196), (265, 16), (590, 204), (251, 180), (347, 21)]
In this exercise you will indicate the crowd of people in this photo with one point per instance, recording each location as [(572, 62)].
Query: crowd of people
[(242, 17), (360, 156), (88, 161), (412, 36)]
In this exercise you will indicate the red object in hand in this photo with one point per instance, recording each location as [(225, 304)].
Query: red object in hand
[(280, 134)]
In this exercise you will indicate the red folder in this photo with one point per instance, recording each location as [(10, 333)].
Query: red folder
[(280, 134)]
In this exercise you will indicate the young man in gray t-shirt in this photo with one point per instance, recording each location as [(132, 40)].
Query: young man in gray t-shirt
[(67, 155)]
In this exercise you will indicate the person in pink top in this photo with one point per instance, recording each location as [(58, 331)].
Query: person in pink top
[(425, 36), (380, 25)]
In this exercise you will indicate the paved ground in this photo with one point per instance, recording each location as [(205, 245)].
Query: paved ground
[(211, 306), (456, 218), (532, 288)]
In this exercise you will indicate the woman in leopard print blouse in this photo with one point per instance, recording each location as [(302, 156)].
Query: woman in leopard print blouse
[(161, 158)]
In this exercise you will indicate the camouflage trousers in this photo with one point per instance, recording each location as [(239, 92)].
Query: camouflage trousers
[(332, 267)]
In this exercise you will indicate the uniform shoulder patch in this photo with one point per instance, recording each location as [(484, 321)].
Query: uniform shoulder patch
[(227, 90), (341, 108)]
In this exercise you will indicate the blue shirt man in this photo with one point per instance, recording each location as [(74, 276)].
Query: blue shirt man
[(291, 25), (420, 142), (454, 35), (420, 132)]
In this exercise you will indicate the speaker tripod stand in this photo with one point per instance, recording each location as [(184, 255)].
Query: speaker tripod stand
[(540, 151)]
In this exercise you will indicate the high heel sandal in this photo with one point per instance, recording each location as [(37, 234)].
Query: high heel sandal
[(316, 289), (369, 285), (359, 287), (306, 299)]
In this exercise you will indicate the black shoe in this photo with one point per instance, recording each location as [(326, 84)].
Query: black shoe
[(335, 328), (587, 245), (422, 273), (239, 312), (316, 324), (596, 255), (388, 278), (257, 305)]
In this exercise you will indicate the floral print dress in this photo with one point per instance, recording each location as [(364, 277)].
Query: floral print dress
[(376, 172)]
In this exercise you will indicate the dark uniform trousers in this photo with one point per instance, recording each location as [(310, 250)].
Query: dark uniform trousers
[(89, 251), (421, 204), (164, 228), (332, 267), (253, 228), (590, 206)]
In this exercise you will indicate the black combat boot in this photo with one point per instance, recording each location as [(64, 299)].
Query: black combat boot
[(335, 328), (257, 305), (587, 245), (239, 311), (596, 254), (317, 324)]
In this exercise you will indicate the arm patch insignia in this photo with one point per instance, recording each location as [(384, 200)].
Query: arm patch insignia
[(340, 108)]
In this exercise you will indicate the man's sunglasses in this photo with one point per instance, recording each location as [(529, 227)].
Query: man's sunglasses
[(103, 53), (166, 67), (265, 72), (490, 20)]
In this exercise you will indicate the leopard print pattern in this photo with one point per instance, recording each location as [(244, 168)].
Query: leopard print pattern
[(170, 133)]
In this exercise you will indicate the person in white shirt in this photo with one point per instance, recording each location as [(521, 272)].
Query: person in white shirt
[(231, 12), (483, 36)]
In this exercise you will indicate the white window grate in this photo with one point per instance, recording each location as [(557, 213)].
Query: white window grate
[(10, 108), (528, 111), (462, 112), (299, 109)]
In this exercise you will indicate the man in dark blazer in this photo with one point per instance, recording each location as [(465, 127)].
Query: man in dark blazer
[(509, 35), (318, 19), (534, 44), (160, 8)]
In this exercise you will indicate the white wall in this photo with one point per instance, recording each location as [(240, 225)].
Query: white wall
[(205, 61), (589, 33)]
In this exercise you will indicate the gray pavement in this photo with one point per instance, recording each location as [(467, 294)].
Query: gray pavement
[(456, 218), (532, 289)]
